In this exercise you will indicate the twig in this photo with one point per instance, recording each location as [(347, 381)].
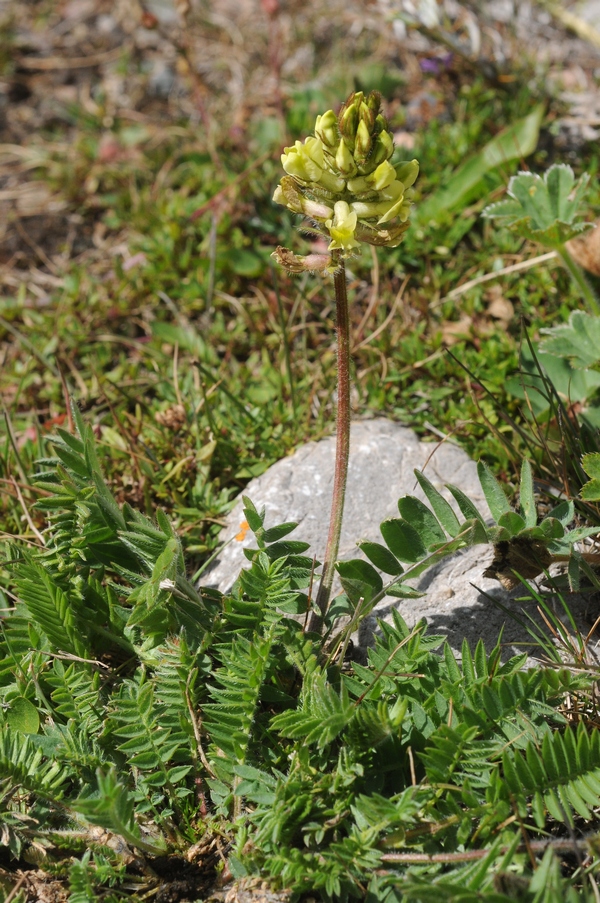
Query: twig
[(514, 268), (31, 524), (15, 447), (387, 320), (75, 62), (15, 890)]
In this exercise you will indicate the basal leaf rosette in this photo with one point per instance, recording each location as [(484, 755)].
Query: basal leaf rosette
[(341, 179)]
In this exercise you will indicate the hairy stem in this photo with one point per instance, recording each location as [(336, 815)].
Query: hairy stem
[(342, 447), (578, 277)]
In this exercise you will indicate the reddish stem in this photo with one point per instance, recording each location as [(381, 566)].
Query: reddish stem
[(342, 447)]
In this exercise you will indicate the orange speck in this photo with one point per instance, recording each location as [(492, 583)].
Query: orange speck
[(244, 527)]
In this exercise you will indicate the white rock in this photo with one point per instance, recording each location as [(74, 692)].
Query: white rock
[(458, 600)]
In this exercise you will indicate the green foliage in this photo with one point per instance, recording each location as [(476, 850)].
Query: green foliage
[(423, 536), (131, 700), (193, 711), (513, 143), (544, 209), (562, 777), (112, 807), (577, 341), (591, 464)]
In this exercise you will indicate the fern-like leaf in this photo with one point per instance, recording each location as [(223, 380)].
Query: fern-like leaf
[(112, 808), (562, 777)]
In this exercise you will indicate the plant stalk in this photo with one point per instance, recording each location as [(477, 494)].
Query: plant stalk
[(342, 447), (578, 276)]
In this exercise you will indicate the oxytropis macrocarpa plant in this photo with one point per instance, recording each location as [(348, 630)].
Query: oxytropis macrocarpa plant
[(342, 181)]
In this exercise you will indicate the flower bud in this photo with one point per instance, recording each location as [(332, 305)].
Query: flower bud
[(407, 172), (388, 201), (344, 160), (370, 209), (374, 104), (330, 183), (381, 124), (363, 143), (348, 119), (326, 128), (368, 116), (383, 148)]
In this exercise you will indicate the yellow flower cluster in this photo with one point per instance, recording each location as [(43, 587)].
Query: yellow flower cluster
[(342, 179)]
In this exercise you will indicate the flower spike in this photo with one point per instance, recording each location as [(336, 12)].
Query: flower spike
[(342, 180)]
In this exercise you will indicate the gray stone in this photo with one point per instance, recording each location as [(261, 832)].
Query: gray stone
[(458, 602)]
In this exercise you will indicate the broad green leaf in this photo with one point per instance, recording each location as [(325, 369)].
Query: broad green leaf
[(403, 540), (468, 509), (526, 496), (517, 141), (359, 579), (381, 557), (341, 607), (493, 491), (474, 532), (552, 528), (276, 533), (23, 716), (560, 180), (498, 534), (420, 517), (442, 509), (286, 547), (571, 385), (254, 518), (178, 773), (543, 209), (591, 464), (530, 191), (564, 512), (512, 522), (402, 591), (578, 340)]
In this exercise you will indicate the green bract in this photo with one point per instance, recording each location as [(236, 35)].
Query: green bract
[(341, 178)]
